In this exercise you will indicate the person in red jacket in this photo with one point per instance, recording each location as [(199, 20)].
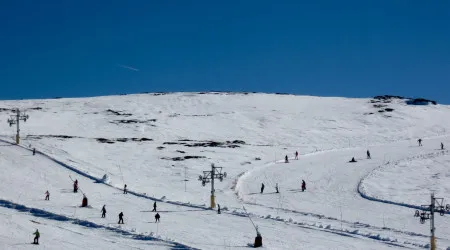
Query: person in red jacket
[(303, 185)]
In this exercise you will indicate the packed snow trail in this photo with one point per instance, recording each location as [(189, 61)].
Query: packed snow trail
[(354, 228), (176, 222), (332, 185), (17, 228)]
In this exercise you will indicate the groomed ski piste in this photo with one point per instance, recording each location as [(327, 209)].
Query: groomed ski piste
[(159, 143)]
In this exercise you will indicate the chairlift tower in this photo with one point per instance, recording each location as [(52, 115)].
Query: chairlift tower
[(15, 119), (209, 176), (427, 213)]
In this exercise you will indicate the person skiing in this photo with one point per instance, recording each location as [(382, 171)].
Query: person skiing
[(420, 142), (296, 155), (121, 218), (75, 186), (262, 188), (84, 202), (34, 151), (36, 237), (218, 208), (157, 216), (47, 196), (286, 159), (353, 160), (154, 207), (103, 211), (303, 185), (442, 146), (276, 188), (368, 154), (125, 189)]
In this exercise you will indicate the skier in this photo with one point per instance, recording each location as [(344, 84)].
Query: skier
[(36, 237), (286, 159), (34, 151), (303, 185), (296, 155), (154, 207), (157, 216), (218, 208), (125, 189), (103, 211), (442, 146), (84, 203), (121, 217), (47, 196), (420, 142), (262, 188), (368, 154), (75, 186), (276, 188), (353, 160)]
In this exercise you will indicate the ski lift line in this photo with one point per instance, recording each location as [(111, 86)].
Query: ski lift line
[(256, 227), (78, 188)]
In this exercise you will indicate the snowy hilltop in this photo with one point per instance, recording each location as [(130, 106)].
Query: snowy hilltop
[(161, 145)]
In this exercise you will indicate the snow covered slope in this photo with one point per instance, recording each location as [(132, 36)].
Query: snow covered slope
[(154, 142)]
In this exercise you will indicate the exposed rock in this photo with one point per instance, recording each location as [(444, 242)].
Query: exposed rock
[(160, 148), (389, 109), (133, 121), (111, 141), (420, 101), (120, 113), (180, 151), (187, 157), (388, 97), (51, 136)]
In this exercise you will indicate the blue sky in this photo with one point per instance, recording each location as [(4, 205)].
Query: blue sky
[(329, 48)]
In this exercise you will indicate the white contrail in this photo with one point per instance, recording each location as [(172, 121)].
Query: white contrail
[(127, 67)]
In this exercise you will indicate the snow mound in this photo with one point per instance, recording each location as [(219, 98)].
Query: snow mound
[(105, 179)]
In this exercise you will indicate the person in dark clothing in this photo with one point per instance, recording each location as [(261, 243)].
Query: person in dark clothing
[(303, 185), (125, 189), (218, 208), (368, 155), (34, 151), (420, 142), (47, 196), (75, 186), (154, 207), (121, 218), (157, 216), (36, 237), (286, 159), (103, 211), (442, 146), (296, 155), (276, 188), (262, 188), (353, 160), (84, 202)]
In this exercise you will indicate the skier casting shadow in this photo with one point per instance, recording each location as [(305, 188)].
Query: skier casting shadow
[(121, 218), (36, 237)]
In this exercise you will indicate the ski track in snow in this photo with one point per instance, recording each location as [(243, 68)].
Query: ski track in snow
[(48, 215), (310, 226), (362, 190)]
